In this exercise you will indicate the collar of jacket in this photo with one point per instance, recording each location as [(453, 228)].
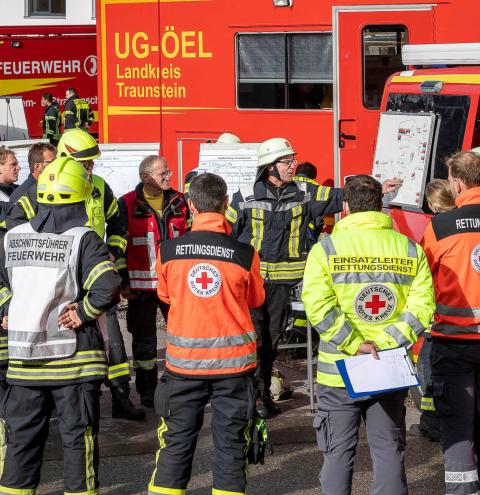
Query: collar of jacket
[(468, 197), (364, 220), (213, 222), (290, 191), (8, 188), (142, 207)]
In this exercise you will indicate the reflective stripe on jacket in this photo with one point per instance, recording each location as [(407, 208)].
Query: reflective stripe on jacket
[(210, 280), (452, 246), (365, 282), (276, 226), (146, 230)]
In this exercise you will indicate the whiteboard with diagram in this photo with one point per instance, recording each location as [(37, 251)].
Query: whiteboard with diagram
[(403, 148), (235, 163)]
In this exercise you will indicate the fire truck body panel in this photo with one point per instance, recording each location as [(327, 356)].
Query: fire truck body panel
[(181, 73), (39, 59)]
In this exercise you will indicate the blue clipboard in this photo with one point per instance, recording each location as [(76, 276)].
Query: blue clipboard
[(355, 395)]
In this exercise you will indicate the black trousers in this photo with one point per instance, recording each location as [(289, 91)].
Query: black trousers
[(270, 321), (118, 365), (26, 415), (456, 394), (181, 402), (142, 324)]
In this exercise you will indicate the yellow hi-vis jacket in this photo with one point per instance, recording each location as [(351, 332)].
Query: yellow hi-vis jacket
[(365, 282)]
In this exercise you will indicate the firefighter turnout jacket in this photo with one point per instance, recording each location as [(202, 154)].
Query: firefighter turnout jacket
[(365, 282), (207, 273), (102, 210), (77, 114), (52, 120), (452, 245), (146, 230), (45, 272), (275, 222)]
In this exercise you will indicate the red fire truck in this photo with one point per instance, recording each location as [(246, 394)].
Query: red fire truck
[(182, 72), (39, 59)]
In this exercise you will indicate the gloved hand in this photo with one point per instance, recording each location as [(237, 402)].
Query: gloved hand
[(259, 442)]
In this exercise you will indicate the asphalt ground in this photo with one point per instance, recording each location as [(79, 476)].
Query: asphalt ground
[(127, 452)]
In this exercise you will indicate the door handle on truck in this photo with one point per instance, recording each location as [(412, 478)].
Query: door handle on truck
[(342, 137)]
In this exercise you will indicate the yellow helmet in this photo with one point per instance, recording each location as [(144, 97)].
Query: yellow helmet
[(79, 145), (63, 182)]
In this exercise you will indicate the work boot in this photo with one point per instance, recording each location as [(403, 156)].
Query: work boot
[(122, 406), (146, 383), (266, 408)]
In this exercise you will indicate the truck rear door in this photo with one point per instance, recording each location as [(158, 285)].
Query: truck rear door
[(367, 50)]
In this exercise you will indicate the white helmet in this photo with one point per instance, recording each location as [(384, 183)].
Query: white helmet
[(270, 151), (228, 138)]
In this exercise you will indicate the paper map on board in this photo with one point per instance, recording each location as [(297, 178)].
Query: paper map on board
[(235, 163), (403, 148)]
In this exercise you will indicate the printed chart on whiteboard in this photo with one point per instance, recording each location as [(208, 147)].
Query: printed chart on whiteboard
[(236, 163), (403, 148)]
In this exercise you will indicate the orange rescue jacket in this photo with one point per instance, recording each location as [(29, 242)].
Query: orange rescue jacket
[(452, 245), (210, 281)]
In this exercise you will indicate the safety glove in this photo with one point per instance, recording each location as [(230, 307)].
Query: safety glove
[(259, 442)]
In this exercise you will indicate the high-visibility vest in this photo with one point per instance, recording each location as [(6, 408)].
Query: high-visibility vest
[(95, 208), (145, 231), (365, 282), (49, 263)]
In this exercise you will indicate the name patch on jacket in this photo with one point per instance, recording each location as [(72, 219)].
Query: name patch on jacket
[(45, 250), (405, 265), (204, 250)]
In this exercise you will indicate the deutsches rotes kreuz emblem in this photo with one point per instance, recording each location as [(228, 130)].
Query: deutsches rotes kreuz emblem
[(475, 258), (375, 302), (204, 280)]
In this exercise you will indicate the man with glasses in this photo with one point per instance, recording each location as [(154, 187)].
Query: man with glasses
[(154, 212), (23, 199), (274, 218)]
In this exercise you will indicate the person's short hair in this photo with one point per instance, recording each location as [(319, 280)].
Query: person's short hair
[(439, 196), (363, 193), (48, 97), (146, 165), (466, 167), (4, 152), (307, 169), (73, 90), (35, 153), (207, 193)]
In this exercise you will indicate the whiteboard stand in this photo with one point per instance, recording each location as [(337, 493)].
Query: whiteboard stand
[(403, 150)]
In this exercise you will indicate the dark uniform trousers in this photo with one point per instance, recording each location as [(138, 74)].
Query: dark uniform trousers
[(26, 415), (456, 394), (337, 422), (270, 321), (117, 356), (142, 324), (181, 402)]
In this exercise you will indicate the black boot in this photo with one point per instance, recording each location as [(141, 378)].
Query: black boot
[(146, 382), (266, 408), (122, 406)]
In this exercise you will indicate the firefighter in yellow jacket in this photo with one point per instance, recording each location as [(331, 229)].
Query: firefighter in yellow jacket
[(366, 288)]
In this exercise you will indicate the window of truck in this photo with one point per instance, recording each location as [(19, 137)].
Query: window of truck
[(46, 7), (382, 56), (453, 113), (284, 71)]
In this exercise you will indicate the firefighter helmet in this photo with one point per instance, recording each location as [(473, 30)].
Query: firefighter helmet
[(228, 138), (64, 181), (270, 151), (279, 389), (79, 145)]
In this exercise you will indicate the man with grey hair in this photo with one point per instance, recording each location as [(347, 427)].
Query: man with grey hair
[(154, 212)]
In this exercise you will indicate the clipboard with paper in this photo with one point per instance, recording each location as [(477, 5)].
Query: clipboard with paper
[(363, 375)]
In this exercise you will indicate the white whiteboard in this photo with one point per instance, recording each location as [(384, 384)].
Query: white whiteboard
[(119, 164), (403, 149), (235, 163), (13, 124)]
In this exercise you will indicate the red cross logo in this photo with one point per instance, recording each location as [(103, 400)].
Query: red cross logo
[(204, 279), (375, 304)]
